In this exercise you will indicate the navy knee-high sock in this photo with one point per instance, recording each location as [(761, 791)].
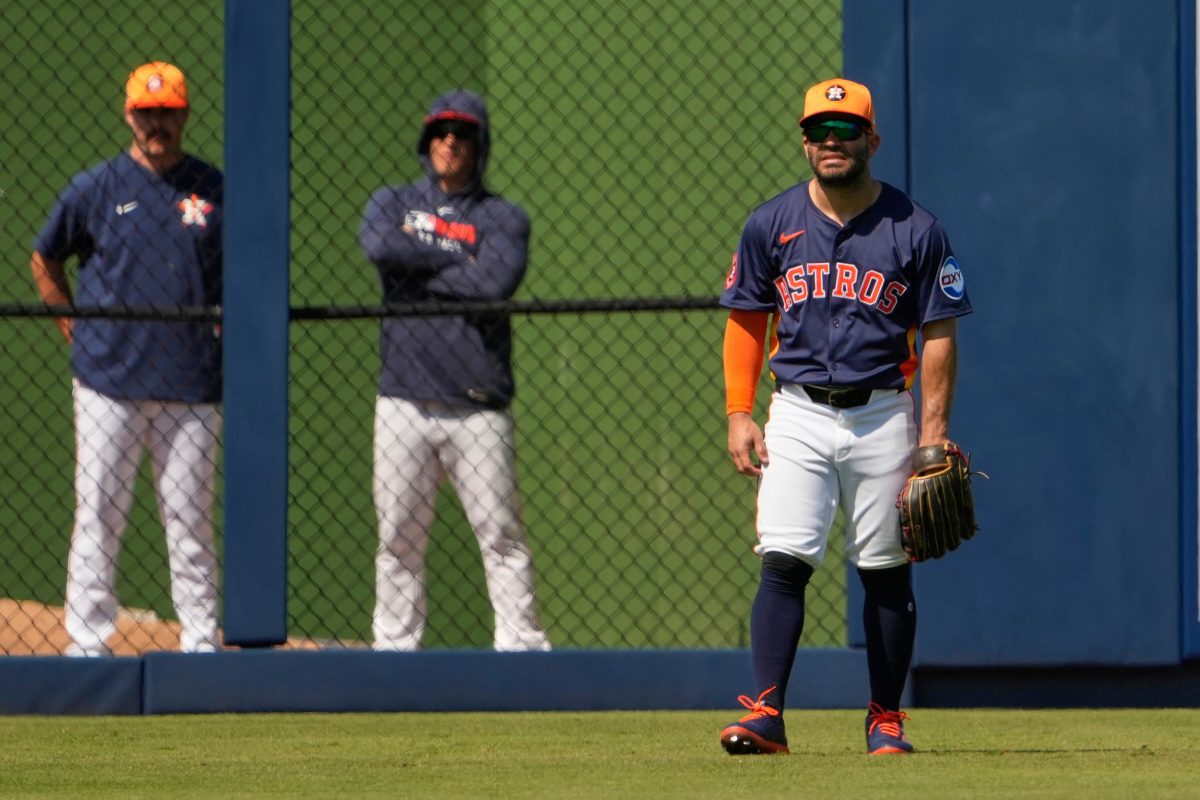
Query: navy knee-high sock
[(890, 620), (776, 622)]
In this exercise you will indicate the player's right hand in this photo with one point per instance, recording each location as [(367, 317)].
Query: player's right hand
[(747, 447)]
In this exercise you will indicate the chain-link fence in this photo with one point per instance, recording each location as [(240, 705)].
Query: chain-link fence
[(635, 137)]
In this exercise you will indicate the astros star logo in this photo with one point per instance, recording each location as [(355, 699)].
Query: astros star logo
[(835, 94), (194, 209)]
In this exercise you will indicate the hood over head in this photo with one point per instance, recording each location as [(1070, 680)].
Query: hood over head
[(463, 106)]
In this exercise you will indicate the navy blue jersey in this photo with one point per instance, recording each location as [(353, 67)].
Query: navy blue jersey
[(848, 300), (143, 239)]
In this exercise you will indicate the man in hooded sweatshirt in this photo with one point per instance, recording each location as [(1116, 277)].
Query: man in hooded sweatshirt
[(446, 383)]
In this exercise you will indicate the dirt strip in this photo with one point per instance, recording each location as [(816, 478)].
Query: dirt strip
[(30, 628)]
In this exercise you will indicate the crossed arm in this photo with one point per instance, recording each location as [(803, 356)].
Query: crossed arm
[(493, 273)]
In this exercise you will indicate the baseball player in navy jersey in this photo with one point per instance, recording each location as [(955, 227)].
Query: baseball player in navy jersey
[(447, 381), (146, 229), (863, 288)]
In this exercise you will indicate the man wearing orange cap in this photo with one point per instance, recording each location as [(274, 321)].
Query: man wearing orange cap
[(852, 270), (145, 227)]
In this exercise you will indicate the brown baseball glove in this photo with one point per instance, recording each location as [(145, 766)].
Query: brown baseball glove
[(937, 509)]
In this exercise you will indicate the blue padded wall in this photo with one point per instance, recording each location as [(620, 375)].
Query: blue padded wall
[(1045, 135)]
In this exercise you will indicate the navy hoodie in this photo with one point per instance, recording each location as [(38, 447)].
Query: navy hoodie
[(466, 245)]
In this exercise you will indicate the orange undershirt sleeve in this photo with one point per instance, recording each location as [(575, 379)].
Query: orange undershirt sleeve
[(745, 343)]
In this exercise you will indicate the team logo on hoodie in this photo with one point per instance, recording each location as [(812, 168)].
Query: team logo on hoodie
[(433, 229)]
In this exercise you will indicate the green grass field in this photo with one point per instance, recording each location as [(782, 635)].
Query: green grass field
[(982, 754)]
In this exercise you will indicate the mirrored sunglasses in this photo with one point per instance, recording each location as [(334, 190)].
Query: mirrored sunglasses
[(842, 131)]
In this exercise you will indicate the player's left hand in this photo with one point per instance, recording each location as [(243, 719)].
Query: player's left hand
[(937, 506), (746, 443)]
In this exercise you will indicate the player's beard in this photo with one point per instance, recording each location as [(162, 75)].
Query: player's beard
[(157, 143), (853, 174), (157, 136)]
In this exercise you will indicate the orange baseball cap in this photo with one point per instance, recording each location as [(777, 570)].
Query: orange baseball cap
[(156, 85), (839, 96)]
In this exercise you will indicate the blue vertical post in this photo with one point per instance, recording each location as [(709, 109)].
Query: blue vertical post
[(257, 108)]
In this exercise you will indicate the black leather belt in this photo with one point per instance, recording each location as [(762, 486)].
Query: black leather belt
[(838, 397)]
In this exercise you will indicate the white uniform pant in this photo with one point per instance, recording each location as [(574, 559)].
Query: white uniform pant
[(416, 446), (821, 458), (110, 438)]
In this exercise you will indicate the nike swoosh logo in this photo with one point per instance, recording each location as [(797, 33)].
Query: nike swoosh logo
[(784, 238)]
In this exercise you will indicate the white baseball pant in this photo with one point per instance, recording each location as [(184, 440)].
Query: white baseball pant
[(416, 446), (822, 457), (110, 438)]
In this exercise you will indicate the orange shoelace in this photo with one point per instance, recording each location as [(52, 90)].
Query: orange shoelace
[(757, 707), (886, 721)]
